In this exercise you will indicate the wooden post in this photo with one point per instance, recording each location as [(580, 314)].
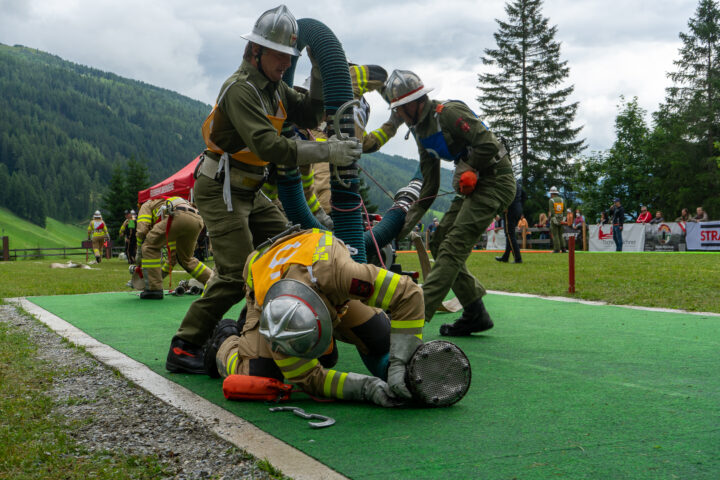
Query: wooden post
[(584, 233), (524, 238), (5, 248), (571, 264)]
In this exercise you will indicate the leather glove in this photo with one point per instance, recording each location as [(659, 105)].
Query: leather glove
[(395, 120), (378, 392), (324, 219), (402, 346), (335, 151), (369, 389)]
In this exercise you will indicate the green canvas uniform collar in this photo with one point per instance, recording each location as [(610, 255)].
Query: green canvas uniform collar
[(255, 77)]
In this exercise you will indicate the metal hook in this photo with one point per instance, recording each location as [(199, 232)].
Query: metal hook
[(326, 421)]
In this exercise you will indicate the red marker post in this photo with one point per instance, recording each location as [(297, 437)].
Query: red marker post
[(571, 263)]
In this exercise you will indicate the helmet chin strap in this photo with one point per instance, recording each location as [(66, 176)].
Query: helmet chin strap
[(257, 60)]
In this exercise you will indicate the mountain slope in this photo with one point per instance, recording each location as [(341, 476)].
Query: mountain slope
[(65, 125)]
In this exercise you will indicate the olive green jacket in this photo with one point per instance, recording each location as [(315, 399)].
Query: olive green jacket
[(241, 119), (462, 130)]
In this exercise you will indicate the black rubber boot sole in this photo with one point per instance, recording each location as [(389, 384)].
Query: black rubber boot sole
[(223, 330)]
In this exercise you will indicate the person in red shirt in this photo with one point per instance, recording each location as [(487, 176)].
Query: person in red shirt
[(644, 216)]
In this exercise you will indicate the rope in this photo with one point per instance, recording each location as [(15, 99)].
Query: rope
[(372, 235)]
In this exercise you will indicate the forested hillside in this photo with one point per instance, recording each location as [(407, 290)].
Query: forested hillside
[(393, 173), (64, 126)]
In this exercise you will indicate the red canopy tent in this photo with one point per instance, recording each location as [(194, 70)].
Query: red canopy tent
[(177, 185)]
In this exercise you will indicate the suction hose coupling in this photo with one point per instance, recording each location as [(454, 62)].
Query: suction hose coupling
[(408, 195)]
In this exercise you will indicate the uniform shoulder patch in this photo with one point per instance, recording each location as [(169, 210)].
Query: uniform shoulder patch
[(361, 288), (463, 124)]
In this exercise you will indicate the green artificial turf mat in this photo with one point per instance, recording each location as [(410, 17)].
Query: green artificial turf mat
[(560, 390)]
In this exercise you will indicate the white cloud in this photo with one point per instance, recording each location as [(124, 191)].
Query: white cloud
[(613, 47)]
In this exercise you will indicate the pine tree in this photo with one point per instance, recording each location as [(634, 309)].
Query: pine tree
[(137, 179), (114, 201), (687, 126), (695, 95), (525, 102)]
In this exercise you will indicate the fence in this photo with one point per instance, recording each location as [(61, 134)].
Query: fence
[(85, 249)]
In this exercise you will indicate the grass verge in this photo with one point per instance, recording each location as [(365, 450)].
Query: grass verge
[(687, 281), (34, 442)]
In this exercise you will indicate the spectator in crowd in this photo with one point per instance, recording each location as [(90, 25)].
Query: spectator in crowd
[(522, 223), (510, 221), (658, 218), (701, 216), (433, 226), (569, 217), (684, 216), (543, 223), (604, 220), (645, 216), (577, 223), (499, 223), (617, 213)]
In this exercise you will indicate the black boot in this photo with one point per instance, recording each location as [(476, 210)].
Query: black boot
[(475, 318), (151, 295), (501, 259), (225, 329), (184, 357)]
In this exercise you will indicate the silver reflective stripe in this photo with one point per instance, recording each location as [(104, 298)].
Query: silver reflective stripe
[(222, 94), (262, 102)]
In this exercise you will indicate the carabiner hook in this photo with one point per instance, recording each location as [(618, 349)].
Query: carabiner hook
[(326, 421)]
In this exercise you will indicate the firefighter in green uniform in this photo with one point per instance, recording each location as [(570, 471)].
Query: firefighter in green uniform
[(242, 135), (484, 183), (556, 211)]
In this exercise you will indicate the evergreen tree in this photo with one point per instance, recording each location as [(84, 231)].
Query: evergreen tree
[(687, 126), (137, 179), (695, 95), (114, 202), (525, 102)]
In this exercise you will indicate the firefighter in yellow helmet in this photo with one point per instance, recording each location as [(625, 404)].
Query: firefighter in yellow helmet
[(174, 224), (304, 292), (98, 234)]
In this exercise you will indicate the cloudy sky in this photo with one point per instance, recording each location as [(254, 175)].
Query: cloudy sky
[(613, 47)]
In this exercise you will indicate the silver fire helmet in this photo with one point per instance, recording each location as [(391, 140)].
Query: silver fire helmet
[(97, 213), (295, 320), (438, 374), (553, 190), (276, 29), (403, 87)]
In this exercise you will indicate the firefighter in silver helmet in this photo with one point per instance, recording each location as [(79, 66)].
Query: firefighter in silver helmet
[(242, 135), (304, 293)]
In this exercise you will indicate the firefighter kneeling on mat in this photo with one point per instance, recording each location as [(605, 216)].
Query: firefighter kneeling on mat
[(175, 224), (304, 293)]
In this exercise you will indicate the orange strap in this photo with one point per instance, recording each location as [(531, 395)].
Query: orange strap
[(248, 387)]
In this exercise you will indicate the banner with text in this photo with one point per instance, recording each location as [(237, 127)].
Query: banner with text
[(665, 237), (601, 238), (703, 236)]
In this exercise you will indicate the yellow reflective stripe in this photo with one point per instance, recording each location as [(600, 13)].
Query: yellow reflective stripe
[(197, 271), (341, 384), (232, 363), (361, 75), (284, 362), (390, 291), (376, 287), (320, 250), (150, 262), (143, 216), (328, 382), (313, 203), (381, 136), (407, 323), (249, 280), (301, 365)]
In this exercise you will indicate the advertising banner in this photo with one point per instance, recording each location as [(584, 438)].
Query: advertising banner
[(601, 239), (703, 236), (665, 237)]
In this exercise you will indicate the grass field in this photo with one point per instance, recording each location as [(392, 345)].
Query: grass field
[(23, 234), (687, 281)]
